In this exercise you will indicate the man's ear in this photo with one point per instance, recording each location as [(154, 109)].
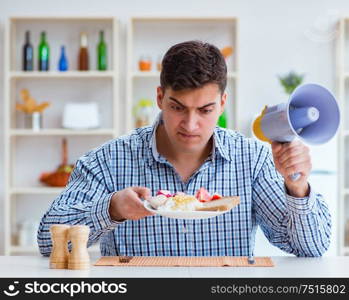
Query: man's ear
[(223, 101), (159, 96)]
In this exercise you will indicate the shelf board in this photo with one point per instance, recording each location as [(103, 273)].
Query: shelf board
[(184, 18), (61, 18), (40, 190), (56, 74), (154, 74), (59, 132)]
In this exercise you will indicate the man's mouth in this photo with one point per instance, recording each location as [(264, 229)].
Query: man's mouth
[(188, 136)]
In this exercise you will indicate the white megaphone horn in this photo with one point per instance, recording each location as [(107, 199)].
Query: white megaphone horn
[(311, 114)]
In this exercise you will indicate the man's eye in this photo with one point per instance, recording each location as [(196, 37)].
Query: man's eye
[(206, 111), (176, 108)]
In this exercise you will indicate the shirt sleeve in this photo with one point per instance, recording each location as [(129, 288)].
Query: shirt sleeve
[(84, 201), (301, 226)]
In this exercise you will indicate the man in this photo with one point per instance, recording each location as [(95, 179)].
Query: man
[(183, 151)]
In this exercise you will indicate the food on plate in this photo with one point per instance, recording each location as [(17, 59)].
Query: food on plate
[(224, 203), (202, 201)]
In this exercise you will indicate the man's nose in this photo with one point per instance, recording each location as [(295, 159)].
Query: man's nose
[(190, 123)]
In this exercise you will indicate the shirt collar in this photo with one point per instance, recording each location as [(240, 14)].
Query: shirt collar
[(153, 155)]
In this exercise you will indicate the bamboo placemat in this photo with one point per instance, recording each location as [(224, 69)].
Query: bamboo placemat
[(185, 261)]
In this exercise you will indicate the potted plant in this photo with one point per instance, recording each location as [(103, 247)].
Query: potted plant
[(290, 81), (32, 110)]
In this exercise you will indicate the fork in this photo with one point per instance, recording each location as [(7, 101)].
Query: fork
[(125, 259)]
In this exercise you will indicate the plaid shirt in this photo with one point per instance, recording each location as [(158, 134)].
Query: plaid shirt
[(236, 166)]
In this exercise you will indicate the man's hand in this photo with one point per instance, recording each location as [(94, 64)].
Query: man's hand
[(127, 204), (291, 158)]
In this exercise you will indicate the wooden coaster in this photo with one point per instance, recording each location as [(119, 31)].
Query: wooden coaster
[(185, 261)]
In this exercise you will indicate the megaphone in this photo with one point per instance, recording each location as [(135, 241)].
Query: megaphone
[(311, 114)]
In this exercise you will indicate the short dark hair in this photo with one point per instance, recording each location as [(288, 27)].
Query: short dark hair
[(193, 64)]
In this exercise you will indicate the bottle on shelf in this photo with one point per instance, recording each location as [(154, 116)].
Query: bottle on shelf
[(222, 121), (44, 53), (28, 60), (83, 53), (63, 61), (101, 53)]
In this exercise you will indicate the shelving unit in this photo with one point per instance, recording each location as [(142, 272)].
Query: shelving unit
[(342, 65), (153, 36), (29, 153)]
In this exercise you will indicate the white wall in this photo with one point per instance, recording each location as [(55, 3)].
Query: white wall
[(275, 37)]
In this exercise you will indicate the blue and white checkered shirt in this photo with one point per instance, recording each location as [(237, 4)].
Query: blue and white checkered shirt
[(236, 166)]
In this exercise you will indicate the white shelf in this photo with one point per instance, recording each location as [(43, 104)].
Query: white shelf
[(57, 75), (36, 190), (61, 132), (342, 91), (57, 88)]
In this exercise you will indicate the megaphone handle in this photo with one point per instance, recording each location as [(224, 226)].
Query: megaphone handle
[(295, 176)]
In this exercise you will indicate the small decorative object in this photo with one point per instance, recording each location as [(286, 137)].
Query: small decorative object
[(227, 51), (81, 115), (144, 63), (222, 121), (27, 233), (63, 62), (78, 258), (143, 112), (60, 177), (290, 81), (158, 63), (32, 110)]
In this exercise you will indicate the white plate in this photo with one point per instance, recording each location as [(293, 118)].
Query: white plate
[(183, 214)]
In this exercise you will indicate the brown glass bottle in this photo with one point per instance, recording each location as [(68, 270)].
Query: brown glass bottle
[(83, 53)]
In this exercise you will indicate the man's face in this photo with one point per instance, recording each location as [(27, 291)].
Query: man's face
[(190, 116)]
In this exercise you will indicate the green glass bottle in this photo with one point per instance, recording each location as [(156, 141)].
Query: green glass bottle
[(222, 121), (101, 53), (44, 53)]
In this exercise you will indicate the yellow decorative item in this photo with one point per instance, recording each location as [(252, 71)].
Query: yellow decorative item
[(29, 105), (143, 112), (257, 127)]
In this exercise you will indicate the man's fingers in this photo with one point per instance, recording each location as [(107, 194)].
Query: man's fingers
[(293, 156), (276, 147), (142, 192), (286, 147)]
